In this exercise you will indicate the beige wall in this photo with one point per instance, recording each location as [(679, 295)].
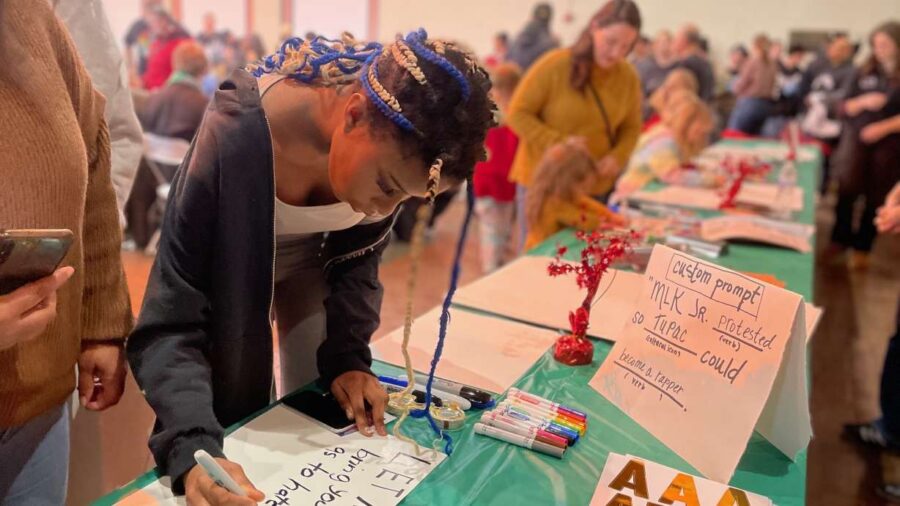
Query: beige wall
[(723, 21)]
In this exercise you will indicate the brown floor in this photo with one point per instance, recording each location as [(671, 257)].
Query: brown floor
[(846, 355)]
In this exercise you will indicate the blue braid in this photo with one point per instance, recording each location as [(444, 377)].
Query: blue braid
[(312, 65), (445, 319), (416, 40), (398, 119)]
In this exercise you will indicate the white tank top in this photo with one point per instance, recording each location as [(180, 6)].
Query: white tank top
[(303, 220)]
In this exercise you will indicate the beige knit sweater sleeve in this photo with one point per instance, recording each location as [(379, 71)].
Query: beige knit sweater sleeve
[(106, 309)]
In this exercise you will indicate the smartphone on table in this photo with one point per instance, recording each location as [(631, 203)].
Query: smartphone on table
[(28, 255), (325, 410)]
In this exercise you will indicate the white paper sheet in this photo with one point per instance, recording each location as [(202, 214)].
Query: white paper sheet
[(631, 480), (756, 194), (764, 151), (790, 235), (481, 351), (702, 354), (523, 290), (287, 456)]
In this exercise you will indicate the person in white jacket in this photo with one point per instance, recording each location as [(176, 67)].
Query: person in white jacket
[(90, 30)]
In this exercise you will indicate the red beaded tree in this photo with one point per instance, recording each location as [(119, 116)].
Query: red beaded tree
[(739, 170), (600, 251)]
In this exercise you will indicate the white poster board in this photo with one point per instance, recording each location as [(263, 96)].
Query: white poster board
[(523, 290), (708, 355), (631, 481), (481, 351), (763, 195), (795, 236), (294, 461)]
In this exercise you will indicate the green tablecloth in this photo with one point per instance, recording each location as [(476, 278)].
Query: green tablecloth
[(486, 472)]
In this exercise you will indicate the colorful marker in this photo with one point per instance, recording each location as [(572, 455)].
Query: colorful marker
[(570, 435), (524, 430), (555, 411), (562, 417), (524, 442), (557, 419), (529, 397)]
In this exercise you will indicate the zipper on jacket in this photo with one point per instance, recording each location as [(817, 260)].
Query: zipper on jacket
[(274, 256), (361, 251)]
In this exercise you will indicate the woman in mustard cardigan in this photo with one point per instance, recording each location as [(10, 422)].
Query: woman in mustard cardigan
[(588, 90)]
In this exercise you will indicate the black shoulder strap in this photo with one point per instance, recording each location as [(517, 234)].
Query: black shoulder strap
[(609, 131)]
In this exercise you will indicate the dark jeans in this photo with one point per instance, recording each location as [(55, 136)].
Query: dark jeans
[(873, 172), (890, 389), (750, 114)]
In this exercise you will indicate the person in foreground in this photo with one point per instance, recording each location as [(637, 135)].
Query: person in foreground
[(284, 204), (55, 167)]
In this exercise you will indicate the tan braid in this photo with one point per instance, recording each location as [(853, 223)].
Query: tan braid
[(382, 93), (330, 74), (406, 58), (423, 215), (439, 46)]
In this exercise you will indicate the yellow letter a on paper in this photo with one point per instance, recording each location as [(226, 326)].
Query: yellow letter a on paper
[(734, 497), (632, 476), (683, 490)]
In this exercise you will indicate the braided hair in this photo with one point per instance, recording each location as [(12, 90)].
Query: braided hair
[(428, 94)]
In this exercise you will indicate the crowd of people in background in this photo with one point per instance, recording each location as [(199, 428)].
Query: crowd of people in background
[(615, 105), (849, 111)]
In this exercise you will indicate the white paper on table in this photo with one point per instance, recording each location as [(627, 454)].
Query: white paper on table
[(522, 290), (481, 351), (682, 196), (286, 455), (755, 194), (700, 359), (767, 195), (790, 235), (764, 151), (622, 475)]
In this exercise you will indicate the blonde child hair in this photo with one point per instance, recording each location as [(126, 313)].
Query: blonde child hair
[(505, 77), (563, 172), (684, 111), (678, 80)]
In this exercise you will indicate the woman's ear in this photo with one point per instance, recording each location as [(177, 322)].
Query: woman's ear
[(354, 112)]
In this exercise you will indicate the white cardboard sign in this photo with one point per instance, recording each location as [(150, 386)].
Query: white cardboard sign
[(707, 355)]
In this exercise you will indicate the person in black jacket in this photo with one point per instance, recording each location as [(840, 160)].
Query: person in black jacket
[(872, 117), (284, 204)]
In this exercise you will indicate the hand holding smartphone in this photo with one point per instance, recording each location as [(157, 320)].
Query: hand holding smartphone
[(29, 279)]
